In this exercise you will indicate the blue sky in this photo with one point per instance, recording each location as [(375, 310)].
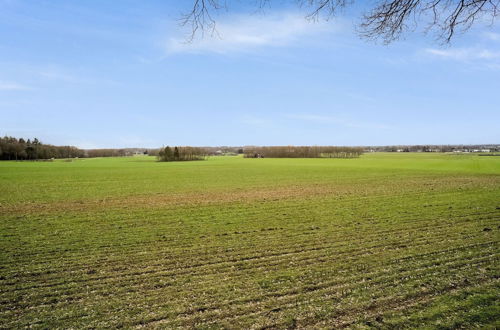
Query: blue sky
[(120, 74)]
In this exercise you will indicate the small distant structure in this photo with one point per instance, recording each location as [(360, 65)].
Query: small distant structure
[(139, 153)]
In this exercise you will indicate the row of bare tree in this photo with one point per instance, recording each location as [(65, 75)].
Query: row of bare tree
[(302, 152), (106, 153)]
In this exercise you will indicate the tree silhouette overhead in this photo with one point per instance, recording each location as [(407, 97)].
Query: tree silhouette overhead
[(386, 20)]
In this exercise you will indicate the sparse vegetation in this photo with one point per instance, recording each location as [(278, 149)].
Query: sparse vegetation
[(398, 240)]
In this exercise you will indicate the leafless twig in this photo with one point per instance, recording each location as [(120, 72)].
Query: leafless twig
[(387, 20)]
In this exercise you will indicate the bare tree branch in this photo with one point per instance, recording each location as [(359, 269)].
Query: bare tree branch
[(387, 20), (200, 18)]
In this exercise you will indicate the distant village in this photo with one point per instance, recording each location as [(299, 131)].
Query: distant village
[(479, 148)]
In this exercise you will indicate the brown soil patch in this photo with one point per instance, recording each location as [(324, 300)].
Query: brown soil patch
[(358, 190)]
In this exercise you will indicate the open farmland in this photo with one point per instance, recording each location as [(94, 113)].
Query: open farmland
[(385, 240)]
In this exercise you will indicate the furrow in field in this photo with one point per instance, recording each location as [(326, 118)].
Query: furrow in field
[(301, 250), (344, 319), (419, 225), (249, 220), (462, 301), (311, 259), (326, 289), (274, 295), (264, 258), (351, 282)]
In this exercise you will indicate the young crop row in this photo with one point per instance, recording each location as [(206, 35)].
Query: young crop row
[(317, 261)]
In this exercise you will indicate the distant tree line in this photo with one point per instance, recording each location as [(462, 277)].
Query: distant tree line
[(174, 154), (302, 152), (434, 148), (123, 152), (12, 148)]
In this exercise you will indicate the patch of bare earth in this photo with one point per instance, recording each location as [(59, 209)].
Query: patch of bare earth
[(249, 195)]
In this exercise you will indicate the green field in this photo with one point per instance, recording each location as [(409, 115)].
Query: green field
[(386, 240)]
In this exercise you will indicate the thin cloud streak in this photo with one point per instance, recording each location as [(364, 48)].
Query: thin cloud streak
[(255, 121), (241, 34), (322, 119), (492, 36), (61, 74), (9, 86), (465, 54)]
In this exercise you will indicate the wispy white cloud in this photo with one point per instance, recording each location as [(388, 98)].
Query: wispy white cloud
[(9, 86), (361, 97), (55, 74), (243, 33), (465, 54), (492, 36), (60, 74), (252, 120), (323, 119)]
